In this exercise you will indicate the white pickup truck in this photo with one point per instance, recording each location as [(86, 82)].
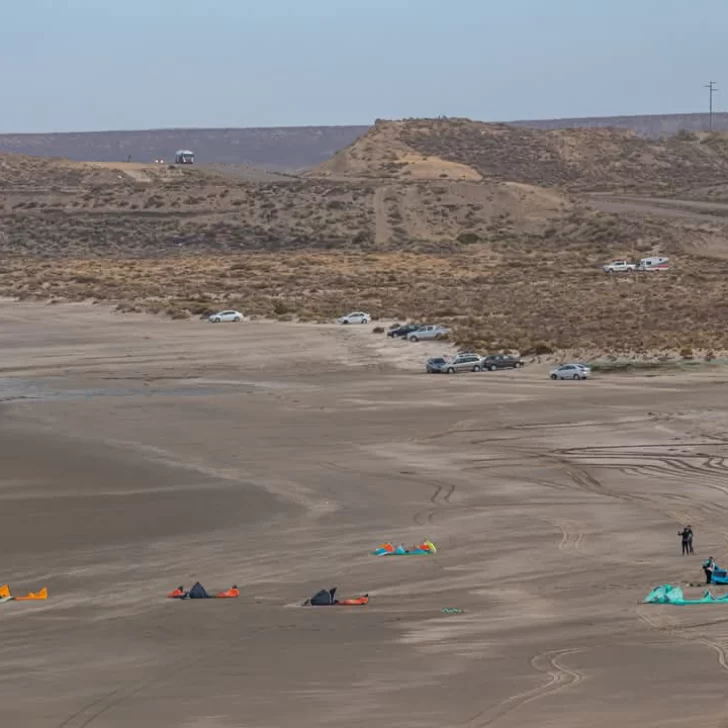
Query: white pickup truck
[(619, 266)]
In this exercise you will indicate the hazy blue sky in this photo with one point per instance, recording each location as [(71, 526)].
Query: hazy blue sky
[(93, 64)]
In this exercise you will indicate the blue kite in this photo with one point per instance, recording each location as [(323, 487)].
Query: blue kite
[(668, 594)]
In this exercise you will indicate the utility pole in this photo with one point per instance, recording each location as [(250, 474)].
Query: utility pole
[(711, 90)]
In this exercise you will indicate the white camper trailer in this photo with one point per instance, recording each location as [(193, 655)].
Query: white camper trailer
[(654, 263), (184, 156)]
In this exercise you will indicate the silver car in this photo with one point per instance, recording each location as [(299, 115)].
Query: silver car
[(463, 362), (428, 332), (571, 371)]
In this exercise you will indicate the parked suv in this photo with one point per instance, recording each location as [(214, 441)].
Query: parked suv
[(501, 361), (428, 332)]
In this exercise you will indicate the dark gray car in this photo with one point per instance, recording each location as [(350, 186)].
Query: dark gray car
[(501, 361), (436, 365)]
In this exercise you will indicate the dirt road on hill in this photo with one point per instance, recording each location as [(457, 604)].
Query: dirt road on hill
[(139, 454), (697, 211)]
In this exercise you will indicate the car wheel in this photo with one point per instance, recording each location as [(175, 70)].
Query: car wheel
[(236, 320), (476, 368), (554, 377), (364, 321), (413, 338), (450, 370), (492, 367), (576, 376), (216, 321), (519, 364), (344, 322)]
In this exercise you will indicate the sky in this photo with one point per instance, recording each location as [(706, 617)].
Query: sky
[(84, 65)]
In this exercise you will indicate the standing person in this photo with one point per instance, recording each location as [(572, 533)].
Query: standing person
[(687, 540), (709, 568)]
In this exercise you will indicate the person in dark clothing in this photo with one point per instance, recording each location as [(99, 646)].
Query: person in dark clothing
[(687, 540), (709, 568)]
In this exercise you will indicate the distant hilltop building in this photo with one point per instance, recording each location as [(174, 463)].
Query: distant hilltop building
[(184, 156)]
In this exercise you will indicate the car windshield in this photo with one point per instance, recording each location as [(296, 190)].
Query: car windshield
[(438, 360)]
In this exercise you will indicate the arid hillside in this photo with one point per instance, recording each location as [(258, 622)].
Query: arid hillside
[(498, 232), (54, 207), (577, 159)]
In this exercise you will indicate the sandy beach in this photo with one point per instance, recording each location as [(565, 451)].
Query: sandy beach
[(140, 453)]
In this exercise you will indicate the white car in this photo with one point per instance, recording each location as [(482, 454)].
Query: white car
[(571, 371), (225, 316), (355, 317)]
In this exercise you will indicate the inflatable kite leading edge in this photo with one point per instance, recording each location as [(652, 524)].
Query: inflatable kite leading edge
[(6, 596), (387, 549)]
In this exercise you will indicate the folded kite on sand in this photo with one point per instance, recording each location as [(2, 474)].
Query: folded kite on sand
[(386, 549), (199, 592), (31, 596), (327, 597), (667, 594), (6, 596)]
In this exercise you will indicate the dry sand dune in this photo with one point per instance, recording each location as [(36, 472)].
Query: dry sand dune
[(139, 454)]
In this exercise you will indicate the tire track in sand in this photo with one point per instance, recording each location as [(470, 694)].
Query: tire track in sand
[(90, 711), (708, 470), (572, 536), (666, 624), (657, 622), (88, 714), (584, 481), (439, 498), (560, 678), (719, 651)]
